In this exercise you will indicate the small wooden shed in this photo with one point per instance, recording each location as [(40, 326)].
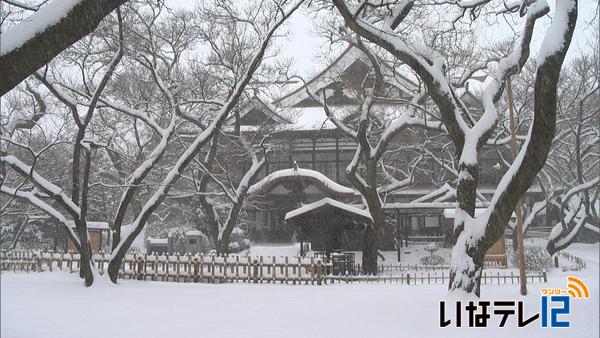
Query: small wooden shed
[(99, 235), (330, 225)]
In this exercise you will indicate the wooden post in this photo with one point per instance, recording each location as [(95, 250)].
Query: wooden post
[(196, 265), (167, 267), (286, 269), (299, 271), (261, 269), (225, 268), (177, 267), (319, 267), (247, 268), (139, 268), (255, 271), (237, 268), (189, 267), (274, 271), (312, 270), (212, 270), (155, 266)]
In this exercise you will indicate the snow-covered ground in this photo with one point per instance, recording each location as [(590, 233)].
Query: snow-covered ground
[(55, 304)]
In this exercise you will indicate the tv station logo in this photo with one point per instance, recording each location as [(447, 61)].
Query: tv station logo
[(555, 309)]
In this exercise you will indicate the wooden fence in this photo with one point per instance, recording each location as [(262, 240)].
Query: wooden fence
[(424, 238), (576, 263), (181, 268), (259, 269), (437, 277)]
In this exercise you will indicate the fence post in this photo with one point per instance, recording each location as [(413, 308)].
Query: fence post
[(70, 261), (545, 276), (255, 271), (201, 268), (312, 270), (212, 270), (139, 268), (237, 268), (225, 268), (319, 266), (299, 271), (260, 268), (408, 278), (196, 269), (286, 269)]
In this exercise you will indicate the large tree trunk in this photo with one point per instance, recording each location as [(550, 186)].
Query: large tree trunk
[(85, 260), (372, 241), (369, 250)]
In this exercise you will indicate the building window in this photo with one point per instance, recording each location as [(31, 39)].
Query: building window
[(432, 221)]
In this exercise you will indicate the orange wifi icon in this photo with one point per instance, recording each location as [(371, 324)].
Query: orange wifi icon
[(577, 288)]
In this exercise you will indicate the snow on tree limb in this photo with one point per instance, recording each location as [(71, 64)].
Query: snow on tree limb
[(45, 207), (44, 185), (534, 151), (33, 42)]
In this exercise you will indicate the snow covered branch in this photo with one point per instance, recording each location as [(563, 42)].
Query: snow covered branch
[(200, 141), (45, 207), (33, 42), (44, 185)]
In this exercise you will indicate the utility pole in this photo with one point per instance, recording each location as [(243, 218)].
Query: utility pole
[(518, 210)]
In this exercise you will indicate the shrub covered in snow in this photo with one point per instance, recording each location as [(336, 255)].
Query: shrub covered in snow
[(536, 258), (432, 248), (433, 259), (239, 240)]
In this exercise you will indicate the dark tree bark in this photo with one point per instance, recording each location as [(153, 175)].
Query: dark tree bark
[(83, 18), (536, 153)]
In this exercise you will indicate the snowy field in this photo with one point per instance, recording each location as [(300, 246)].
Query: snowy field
[(55, 304)]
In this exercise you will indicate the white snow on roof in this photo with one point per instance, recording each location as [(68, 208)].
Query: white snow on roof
[(449, 213), (300, 172), (427, 205), (193, 233), (331, 202), (158, 240), (310, 118), (92, 225)]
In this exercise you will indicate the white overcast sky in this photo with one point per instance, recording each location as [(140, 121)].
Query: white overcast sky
[(304, 46)]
